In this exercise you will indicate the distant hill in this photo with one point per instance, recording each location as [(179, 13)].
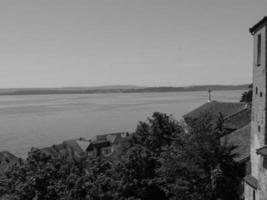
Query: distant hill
[(116, 89)]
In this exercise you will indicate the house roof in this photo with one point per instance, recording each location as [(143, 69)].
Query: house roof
[(111, 137), (254, 28), (238, 119), (7, 160), (252, 181), (262, 151), (106, 140), (214, 108), (67, 148), (73, 144), (241, 139)]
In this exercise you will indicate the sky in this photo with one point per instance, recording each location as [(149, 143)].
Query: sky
[(71, 43)]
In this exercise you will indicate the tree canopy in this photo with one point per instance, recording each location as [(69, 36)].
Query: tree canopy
[(247, 96), (160, 161)]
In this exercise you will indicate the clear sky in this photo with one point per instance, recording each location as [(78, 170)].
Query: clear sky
[(56, 43)]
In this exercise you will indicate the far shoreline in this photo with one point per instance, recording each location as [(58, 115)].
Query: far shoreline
[(59, 91)]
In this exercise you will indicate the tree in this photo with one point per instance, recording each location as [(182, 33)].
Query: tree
[(247, 96), (56, 178), (203, 169), (159, 132), (138, 167)]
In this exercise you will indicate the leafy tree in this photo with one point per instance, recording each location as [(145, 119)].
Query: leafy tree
[(247, 96), (159, 132), (138, 167), (203, 169), (54, 178)]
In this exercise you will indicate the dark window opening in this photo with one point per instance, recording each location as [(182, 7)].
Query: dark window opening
[(265, 162), (259, 50), (260, 94), (259, 128), (254, 195)]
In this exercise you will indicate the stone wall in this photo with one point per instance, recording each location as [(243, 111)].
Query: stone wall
[(258, 120)]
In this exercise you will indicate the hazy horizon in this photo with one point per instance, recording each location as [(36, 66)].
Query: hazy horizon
[(133, 86), (67, 43)]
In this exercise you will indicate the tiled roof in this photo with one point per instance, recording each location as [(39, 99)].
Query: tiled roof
[(111, 137), (262, 151), (75, 145), (238, 120), (241, 139), (256, 26), (214, 108), (252, 181), (7, 159), (67, 148)]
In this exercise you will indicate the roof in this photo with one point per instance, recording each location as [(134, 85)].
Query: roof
[(238, 119), (252, 181), (114, 140), (67, 148), (241, 139), (262, 151), (7, 160), (254, 28), (214, 108), (77, 145), (111, 138)]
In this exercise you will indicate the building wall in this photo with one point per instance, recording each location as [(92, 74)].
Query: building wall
[(258, 120), (248, 192), (258, 105)]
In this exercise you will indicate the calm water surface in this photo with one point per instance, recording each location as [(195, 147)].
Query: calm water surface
[(43, 120)]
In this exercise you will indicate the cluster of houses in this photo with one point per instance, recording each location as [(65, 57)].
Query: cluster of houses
[(244, 127), (105, 146)]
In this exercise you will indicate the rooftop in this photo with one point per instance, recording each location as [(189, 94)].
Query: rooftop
[(252, 181), (67, 148), (262, 151), (238, 119), (214, 108), (254, 28), (6, 160), (111, 137), (241, 139)]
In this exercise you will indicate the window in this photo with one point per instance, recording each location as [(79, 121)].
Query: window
[(264, 163), (259, 50), (259, 128), (107, 151), (254, 195), (260, 94)]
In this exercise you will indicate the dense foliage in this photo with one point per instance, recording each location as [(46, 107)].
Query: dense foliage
[(160, 161), (247, 96)]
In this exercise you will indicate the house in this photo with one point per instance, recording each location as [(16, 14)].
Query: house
[(68, 148), (235, 114), (107, 145), (7, 160), (238, 119), (256, 181)]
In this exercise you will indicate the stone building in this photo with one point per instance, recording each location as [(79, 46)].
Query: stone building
[(256, 182)]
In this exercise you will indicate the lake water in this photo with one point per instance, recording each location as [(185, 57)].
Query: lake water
[(43, 120)]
